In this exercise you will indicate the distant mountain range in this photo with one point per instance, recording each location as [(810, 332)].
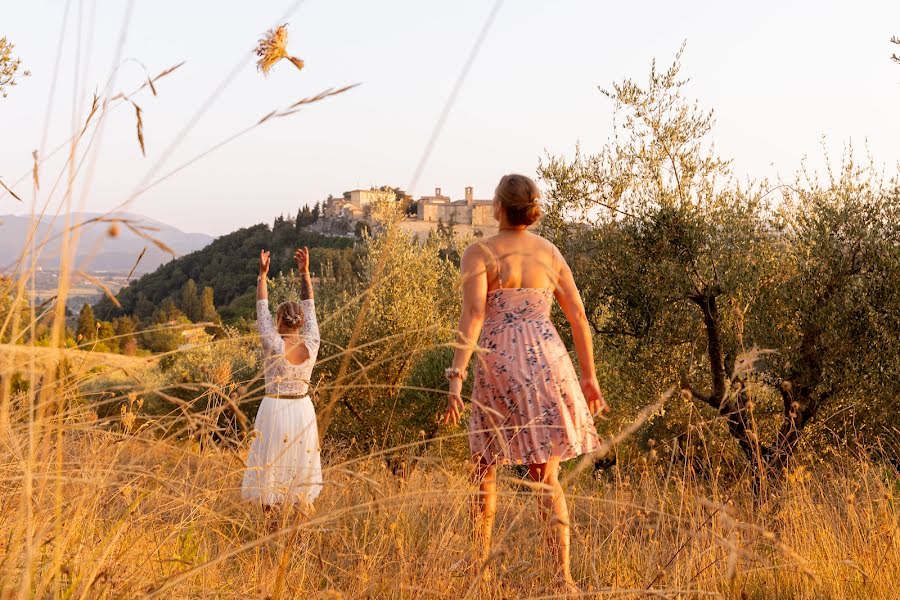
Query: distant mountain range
[(98, 250)]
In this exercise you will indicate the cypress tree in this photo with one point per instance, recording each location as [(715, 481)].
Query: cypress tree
[(87, 326), (190, 301), (125, 327), (208, 313)]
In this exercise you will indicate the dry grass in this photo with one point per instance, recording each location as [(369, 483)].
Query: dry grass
[(272, 48), (108, 514), (109, 508), (15, 358)]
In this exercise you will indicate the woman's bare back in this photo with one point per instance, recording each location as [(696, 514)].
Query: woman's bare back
[(521, 259), (295, 350)]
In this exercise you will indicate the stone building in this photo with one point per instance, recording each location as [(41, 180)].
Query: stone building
[(467, 211), (354, 205), (472, 215)]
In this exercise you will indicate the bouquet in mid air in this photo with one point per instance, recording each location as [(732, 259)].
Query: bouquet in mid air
[(272, 48)]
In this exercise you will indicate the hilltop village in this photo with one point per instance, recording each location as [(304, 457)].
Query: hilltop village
[(344, 214)]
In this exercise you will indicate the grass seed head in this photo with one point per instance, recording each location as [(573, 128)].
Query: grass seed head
[(272, 48)]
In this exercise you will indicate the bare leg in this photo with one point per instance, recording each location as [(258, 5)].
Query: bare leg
[(537, 474), (555, 515), (272, 516), (484, 509)]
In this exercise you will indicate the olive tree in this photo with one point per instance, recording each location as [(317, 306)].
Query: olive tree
[(695, 279)]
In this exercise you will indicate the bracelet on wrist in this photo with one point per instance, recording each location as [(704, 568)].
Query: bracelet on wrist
[(453, 373)]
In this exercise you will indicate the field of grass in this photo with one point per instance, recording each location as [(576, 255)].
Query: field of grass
[(14, 357), (103, 498), (91, 509)]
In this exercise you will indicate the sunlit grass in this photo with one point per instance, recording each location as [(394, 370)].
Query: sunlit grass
[(113, 513)]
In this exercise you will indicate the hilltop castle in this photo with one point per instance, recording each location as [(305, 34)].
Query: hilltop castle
[(354, 206), (468, 211)]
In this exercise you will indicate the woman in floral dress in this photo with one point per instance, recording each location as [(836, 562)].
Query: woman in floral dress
[(528, 404)]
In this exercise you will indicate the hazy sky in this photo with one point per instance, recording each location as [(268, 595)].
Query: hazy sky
[(779, 74)]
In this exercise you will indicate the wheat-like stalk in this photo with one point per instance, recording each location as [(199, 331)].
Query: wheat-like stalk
[(34, 170), (272, 48), (140, 127), (11, 193)]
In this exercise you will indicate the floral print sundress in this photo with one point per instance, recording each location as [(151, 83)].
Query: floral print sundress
[(527, 404)]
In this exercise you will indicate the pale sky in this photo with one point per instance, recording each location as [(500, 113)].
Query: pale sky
[(780, 75)]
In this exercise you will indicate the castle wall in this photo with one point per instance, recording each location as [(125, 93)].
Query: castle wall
[(430, 212), (483, 214), (335, 207), (430, 209)]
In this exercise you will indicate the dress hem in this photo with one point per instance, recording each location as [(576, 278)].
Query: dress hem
[(502, 461)]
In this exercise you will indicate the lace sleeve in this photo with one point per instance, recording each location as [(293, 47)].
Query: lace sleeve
[(271, 341), (310, 329)]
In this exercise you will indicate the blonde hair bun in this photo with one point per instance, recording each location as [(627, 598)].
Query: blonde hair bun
[(290, 314), (518, 196)]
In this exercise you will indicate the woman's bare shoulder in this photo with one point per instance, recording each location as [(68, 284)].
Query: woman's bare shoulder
[(544, 244), (476, 252)]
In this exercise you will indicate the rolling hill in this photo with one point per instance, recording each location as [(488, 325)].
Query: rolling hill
[(229, 265)]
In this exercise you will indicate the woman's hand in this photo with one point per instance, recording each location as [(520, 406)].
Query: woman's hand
[(592, 394), (264, 262), (301, 257), (455, 404)]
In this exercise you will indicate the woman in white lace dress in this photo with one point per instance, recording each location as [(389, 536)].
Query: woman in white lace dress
[(284, 466)]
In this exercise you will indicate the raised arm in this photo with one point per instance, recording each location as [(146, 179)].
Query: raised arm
[(310, 328), (301, 258), (474, 288), (262, 288), (271, 342), (570, 301)]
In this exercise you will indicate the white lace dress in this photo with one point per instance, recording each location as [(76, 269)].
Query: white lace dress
[(284, 465)]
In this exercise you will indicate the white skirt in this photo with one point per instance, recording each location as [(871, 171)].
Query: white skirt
[(284, 465)]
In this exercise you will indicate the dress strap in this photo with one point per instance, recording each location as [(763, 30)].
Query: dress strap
[(496, 261)]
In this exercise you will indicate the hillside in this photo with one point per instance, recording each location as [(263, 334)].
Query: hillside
[(97, 250), (229, 265)]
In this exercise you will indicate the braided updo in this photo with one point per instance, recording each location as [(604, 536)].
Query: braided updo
[(518, 196), (289, 315)]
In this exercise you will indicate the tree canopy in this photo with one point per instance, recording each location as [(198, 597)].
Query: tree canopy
[(769, 304), (228, 265)]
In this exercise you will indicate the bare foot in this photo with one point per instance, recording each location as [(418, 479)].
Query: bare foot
[(273, 525), (487, 573), (468, 566), (571, 590)]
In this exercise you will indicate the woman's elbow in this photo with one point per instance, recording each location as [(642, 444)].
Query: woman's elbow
[(579, 319), (474, 314)]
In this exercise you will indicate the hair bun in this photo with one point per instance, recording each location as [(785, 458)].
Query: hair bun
[(290, 314), (518, 196)]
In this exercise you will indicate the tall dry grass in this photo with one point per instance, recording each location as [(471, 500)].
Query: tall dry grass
[(108, 512), (117, 507)]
